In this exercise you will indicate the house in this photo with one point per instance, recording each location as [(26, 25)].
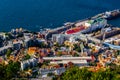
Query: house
[(33, 41), (57, 71), (60, 38), (32, 50), (3, 50), (29, 63), (17, 44)]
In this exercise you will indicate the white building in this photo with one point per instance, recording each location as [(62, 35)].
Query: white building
[(60, 38), (76, 62), (67, 58), (29, 63), (54, 71)]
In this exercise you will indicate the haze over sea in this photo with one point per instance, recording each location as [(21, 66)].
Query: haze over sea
[(32, 14)]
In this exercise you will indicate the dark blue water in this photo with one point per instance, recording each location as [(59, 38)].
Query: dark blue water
[(32, 14)]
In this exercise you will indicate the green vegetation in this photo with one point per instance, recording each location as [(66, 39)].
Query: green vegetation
[(76, 55), (42, 45), (58, 45), (77, 48), (46, 62), (59, 53), (50, 74), (8, 53), (74, 73), (27, 57), (92, 64), (9, 71)]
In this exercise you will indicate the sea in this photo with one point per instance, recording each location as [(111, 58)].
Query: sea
[(36, 14)]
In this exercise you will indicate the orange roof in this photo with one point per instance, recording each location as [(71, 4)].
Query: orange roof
[(15, 40), (32, 50)]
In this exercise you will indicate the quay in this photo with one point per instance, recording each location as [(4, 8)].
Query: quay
[(107, 15)]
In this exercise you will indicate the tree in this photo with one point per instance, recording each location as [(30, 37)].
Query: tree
[(76, 55), (92, 64), (74, 73), (8, 53), (50, 74), (27, 57), (103, 75), (42, 45), (118, 52), (77, 47), (56, 44), (59, 53), (9, 71), (2, 72)]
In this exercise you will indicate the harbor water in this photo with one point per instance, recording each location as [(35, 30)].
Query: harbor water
[(36, 14)]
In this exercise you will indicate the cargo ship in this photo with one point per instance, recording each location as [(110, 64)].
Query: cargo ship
[(111, 14), (87, 26)]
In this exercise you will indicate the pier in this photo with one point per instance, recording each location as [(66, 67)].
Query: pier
[(105, 15)]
